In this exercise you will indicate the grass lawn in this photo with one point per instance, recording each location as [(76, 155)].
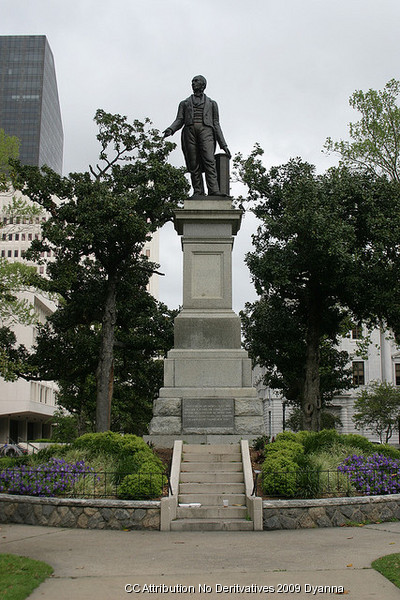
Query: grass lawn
[(19, 576), (389, 566)]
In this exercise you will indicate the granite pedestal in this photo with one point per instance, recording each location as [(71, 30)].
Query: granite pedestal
[(207, 394)]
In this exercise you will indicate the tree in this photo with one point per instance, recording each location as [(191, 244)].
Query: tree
[(276, 339), (9, 149), (98, 224), (378, 408), (15, 277), (328, 420), (317, 262), (67, 350), (376, 136)]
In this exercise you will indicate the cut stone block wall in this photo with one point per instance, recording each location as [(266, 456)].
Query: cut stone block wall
[(79, 513), (331, 512), (130, 514)]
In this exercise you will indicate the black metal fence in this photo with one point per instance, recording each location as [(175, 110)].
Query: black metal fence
[(328, 483), (70, 483)]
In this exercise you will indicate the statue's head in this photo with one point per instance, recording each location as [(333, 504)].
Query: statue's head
[(199, 83)]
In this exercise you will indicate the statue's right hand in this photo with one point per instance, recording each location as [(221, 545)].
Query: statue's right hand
[(167, 132)]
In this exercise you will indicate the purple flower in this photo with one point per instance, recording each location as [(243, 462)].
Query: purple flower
[(47, 479), (372, 475)]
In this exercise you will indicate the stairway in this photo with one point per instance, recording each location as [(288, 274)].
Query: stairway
[(211, 490)]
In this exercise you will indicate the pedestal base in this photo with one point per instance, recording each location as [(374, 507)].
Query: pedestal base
[(207, 395), (231, 412)]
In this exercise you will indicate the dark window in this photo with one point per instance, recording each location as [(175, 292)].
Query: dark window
[(397, 373), (358, 373), (356, 332)]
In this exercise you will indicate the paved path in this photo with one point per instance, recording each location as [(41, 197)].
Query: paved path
[(97, 565)]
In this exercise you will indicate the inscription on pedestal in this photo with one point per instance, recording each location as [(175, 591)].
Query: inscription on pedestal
[(207, 413)]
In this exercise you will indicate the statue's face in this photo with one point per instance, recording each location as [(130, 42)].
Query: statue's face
[(198, 84)]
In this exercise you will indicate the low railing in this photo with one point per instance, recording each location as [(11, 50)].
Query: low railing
[(329, 483), (74, 483)]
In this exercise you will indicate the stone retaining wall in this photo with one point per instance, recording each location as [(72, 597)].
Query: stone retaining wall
[(79, 513), (130, 514), (329, 512)]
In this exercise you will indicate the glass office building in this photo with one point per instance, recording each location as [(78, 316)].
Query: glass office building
[(29, 104)]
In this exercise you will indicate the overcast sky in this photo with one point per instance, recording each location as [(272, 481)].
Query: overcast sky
[(281, 72)]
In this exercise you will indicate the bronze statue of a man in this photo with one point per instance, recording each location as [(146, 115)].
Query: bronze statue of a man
[(198, 115)]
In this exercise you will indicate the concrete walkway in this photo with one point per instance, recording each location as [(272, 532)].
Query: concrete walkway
[(97, 565)]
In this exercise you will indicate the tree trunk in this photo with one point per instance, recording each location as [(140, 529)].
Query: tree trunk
[(104, 372), (311, 403)]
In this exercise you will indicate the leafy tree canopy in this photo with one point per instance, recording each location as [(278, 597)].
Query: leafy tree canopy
[(98, 223), (9, 149), (326, 253), (376, 136), (378, 408), (16, 278)]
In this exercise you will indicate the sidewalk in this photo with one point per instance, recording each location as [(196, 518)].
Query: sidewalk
[(97, 565)]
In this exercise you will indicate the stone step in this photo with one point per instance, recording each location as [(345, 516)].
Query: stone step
[(211, 488), (211, 477), (211, 449), (211, 458), (211, 525), (211, 512), (204, 467), (213, 499)]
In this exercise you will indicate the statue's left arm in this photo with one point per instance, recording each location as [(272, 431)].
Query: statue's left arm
[(218, 131)]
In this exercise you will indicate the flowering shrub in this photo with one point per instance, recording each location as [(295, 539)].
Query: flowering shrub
[(372, 475), (49, 479)]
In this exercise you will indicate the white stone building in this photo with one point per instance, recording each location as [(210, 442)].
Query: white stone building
[(26, 407), (151, 250), (380, 363)]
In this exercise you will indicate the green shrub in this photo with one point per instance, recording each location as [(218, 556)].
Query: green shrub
[(281, 466), (326, 463), (8, 461), (131, 464), (279, 475), (317, 441), (285, 447), (141, 486), (304, 464), (308, 478), (302, 436), (298, 437), (110, 443), (387, 450), (286, 436), (358, 441), (147, 483), (55, 450)]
